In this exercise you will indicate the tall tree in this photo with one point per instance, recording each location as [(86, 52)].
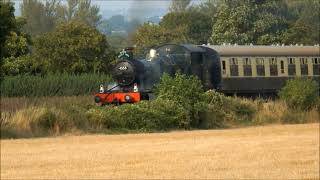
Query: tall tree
[(179, 5), (197, 25), (80, 10), (74, 47), (305, 26), (244, 22), (7, 23), (40, 18), (148, 35)]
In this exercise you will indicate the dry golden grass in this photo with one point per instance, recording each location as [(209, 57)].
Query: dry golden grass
[(272, 152)]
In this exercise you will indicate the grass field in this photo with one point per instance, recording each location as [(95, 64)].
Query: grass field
[(269, 152)]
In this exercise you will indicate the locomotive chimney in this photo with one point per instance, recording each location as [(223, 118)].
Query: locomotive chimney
[(129, 51)]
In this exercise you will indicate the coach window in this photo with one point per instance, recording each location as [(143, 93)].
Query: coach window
[(234, 71), (273, 67), (315, 60), (224, 71), (260, 67), (291, 60), (282, 66), (247, 70), (316, 66), (304, 66), (291, 66)]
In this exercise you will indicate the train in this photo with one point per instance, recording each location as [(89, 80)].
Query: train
[(247, 70)]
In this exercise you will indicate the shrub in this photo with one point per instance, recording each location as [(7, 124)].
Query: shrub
[(143, 116), (300, 94), (244, 110), (216, 112), (222, 111), (185, 90)]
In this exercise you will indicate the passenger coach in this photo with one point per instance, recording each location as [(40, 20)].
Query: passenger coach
[(265, 69)]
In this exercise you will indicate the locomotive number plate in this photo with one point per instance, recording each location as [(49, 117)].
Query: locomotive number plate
[(121, 68)]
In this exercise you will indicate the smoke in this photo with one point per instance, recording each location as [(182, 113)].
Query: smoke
[(139, 10)]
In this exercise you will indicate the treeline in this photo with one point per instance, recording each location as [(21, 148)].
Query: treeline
[(262, 22), (56, 37), (51, 37)]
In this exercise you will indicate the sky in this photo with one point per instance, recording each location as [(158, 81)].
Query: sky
[(125, 7)]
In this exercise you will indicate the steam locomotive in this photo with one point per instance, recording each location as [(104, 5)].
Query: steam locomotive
[(230, 69)]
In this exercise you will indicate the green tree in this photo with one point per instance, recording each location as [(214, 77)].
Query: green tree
[(148, 35), (40, 18), (15, 45), (197, 25), (305, 25), (179, 5), (7, 23), (74, 47), (244, 22), (81, 11)]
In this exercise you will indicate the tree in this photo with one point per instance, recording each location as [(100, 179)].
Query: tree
[(179, 5), (74, 47), (149, 35), (197, 26), (245, 22), (15, 45), (305, 25), (7, 23), (40, 18), (81, 11), (44, 16)]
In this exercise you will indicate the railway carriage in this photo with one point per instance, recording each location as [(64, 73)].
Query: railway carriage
[(263, 70)]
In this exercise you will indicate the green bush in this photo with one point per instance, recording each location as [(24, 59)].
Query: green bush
[(216, 113), (300, 93), (143, 116), (185, 90), (222, 111), (243, 110), (51, 85)]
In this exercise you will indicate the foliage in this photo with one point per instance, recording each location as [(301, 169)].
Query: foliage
[(74, 48), (222, 111), (82, 11), (143, 116), (149, 35), (42, 17), (300, 94), (7, 23), (21, 65), (216, 114), (179, 5), (185, 90), (197, 25), (16, 45), (245, 22), (305, 23), (51, 85)]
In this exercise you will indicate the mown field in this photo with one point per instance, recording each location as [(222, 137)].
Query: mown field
[(268, 152)]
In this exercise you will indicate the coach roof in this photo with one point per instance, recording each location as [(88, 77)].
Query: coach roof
[(252, 50)]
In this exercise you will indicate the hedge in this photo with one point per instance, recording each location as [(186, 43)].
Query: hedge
[(51, 85)]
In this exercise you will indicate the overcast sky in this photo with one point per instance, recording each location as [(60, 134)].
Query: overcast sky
[(135, 6)]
